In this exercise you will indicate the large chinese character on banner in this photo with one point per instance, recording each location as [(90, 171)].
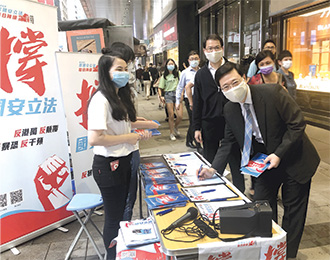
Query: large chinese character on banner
[(78, 74), (35, 174)]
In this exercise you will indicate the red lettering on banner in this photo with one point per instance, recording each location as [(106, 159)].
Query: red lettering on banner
[(24, 143), (30, 69), (222, 256), (24, 18), (5, 43), (279, 253), (18, 133), (84, 175), (247, 243), (30, 49), (86, 92), (42, 130)]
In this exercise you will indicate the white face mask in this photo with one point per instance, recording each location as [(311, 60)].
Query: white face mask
[(237, 94), (214, 56), (287, 64)]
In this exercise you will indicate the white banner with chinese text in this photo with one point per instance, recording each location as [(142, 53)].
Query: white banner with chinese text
[(79, 79), (35, 176), (262, 248)]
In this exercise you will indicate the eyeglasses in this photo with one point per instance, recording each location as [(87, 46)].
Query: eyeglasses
[(233, 84), (269, 48), (215, 48)]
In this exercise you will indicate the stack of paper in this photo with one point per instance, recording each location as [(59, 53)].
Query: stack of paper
[(210, 193), (158, 176), (208, 208), (138, 232)]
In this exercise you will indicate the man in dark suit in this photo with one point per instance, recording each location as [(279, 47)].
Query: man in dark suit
[(208, 101), (278, 130)]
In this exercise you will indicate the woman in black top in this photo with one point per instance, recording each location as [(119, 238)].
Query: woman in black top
[(146, 77)]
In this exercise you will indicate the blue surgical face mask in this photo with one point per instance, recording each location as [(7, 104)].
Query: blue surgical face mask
[(194, 63), (170, 67), (120, 78)]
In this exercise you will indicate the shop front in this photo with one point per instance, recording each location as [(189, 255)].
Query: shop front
[(307, 37), (165, 44), (241, 25)]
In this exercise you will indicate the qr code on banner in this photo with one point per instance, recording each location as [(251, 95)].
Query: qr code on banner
[(3, 200), (16, 196)]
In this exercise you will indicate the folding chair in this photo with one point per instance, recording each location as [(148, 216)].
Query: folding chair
[(83, 202)]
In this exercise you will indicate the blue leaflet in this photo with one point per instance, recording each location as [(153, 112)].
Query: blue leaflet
[(147, 166), (161, 189), (256, 165), (152, 172), (154, 131), (161, 178), (166, 200)]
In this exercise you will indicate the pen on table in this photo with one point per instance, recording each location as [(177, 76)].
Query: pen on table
[(180, 164), (161, 213), (206, 191), (200, 169), (222, 199), (186, 154)]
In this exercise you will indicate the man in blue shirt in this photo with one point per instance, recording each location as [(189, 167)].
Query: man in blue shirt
[(186, 83)]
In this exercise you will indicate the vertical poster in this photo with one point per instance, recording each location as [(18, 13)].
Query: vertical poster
[(78, 73), (35, 176)]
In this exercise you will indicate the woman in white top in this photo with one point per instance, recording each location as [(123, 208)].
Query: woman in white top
[(111, 116)]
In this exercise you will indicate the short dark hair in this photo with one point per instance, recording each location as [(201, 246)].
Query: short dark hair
[(150, 64), (225, 69), (193, 52), (127, 52), (264, 54), (283, 54), (267, 41), (213, 36)]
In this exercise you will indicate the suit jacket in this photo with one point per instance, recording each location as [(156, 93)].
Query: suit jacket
[(282, 127)]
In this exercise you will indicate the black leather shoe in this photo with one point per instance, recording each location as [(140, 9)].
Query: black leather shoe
[(191, 145)]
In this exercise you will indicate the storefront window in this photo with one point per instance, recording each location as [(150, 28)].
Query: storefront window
[(308, 38), (219, 22), (205, 25), (251, 16), (173, 54), (232, 37)]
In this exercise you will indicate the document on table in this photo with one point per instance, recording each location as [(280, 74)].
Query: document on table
[(210, 193), (179, 157), (192, 180), (208, 208), (138, 232)]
